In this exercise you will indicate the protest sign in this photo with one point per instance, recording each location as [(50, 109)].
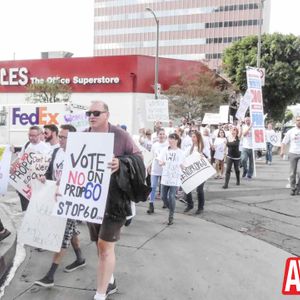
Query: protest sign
[(157, 110), (5, 158), (244, 105), (39, 227), (27, 168), (85, 177), (78, 119), (219, 151), (275, 139), (197, 170), (256, 108)]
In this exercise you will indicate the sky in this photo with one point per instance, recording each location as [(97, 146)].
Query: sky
[(29, 27)]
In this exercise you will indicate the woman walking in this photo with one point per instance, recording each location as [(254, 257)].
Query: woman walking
[(219, 155), (233, 156), (171, 160), (197, 147)]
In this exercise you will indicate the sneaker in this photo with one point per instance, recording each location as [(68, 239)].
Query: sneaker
[(244, 174), (182, 201), (74, 266), (293, 192), (112, 288), (45, 282), (188, 208), (4, 234), (199, 211)]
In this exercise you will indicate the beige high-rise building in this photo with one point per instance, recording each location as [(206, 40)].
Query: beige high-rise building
[(189, 29)]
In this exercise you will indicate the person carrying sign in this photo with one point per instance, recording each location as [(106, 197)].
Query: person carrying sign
[(233, 156), (247, 153), (171, 160), (198, 146), (54, 172), (34, 145), (292, 137), (107, 233), (269, 134)]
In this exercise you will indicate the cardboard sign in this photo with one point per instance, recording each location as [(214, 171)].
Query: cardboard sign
[(28, 168), (256, 108), (39, 227), (85, 177), (197, 170), (5, 158), (157, 110), (244, 105)]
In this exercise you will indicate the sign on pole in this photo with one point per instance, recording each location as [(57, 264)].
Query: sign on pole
[(5, 158), (256, 108), (39, 227), (85, 178), (244, 105), (262, 72), (197, 170), (157, 110)]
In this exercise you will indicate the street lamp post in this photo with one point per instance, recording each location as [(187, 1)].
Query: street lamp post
[(157, 48), (261, 6)]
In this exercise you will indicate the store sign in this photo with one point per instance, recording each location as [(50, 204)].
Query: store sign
[(20, 77)]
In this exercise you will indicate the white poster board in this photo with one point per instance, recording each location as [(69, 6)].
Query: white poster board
[(85, 177), (5, 158), (244, 105), (275, 139), (157, 110), (219, 151), (197, 170), (39, 227), (26, 169)]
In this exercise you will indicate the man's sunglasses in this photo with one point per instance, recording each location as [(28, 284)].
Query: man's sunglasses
[(95, 113)]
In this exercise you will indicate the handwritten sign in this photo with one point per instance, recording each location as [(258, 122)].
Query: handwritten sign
[(244, 105), (197, 170), (5, 158), (157, 110), (85, 177), (275, 139), (78, 119), (39, 228), (28, 168)]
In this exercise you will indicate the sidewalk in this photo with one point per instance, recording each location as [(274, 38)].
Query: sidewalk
[(192, 259)]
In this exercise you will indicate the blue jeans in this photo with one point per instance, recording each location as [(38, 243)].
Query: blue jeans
[(247, 154), (269, 152), (154, 183), (168, 196)]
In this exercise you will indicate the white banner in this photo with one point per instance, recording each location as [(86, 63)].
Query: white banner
[(39, 228), (85, 177), (5, 158), (197, 170), (256, 108), (27, 168), (244, 105), (157, 110)]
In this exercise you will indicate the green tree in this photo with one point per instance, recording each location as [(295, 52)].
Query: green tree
[(196, 94), (48, 92), (280, 56)]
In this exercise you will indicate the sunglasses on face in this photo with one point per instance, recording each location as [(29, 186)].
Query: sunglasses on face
[(95, 113)]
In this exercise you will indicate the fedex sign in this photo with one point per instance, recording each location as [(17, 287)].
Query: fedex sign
[(38, 116)]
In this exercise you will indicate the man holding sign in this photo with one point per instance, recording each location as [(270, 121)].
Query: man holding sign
[(107, 233)]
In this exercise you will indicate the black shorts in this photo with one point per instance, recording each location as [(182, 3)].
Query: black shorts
[(108, 231)]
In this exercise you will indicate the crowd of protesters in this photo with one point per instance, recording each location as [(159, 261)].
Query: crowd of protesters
[(224, 146)]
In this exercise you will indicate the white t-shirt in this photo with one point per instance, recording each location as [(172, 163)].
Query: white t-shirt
[(220, 147), (207, 141), (58, 164), (40, 148), (247, 139), (172, 171), (157, 148), (186, 142), (52, 147), (269, 133), (293, 137)]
